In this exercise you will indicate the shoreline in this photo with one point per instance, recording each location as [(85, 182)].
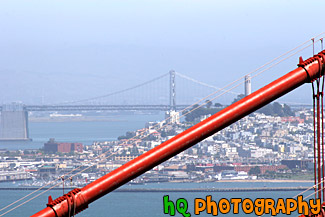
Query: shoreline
[(268, 180), (262, 189), (75, 119)]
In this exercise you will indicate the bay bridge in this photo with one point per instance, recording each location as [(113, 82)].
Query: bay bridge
[(158, 94)]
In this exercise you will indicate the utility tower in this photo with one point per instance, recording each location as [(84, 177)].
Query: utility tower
[(172, 91)]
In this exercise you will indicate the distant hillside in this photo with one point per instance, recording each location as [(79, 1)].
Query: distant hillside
[(276, 109), (273, 109)]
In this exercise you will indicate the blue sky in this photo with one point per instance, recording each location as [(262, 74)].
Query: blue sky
[(70, 50)]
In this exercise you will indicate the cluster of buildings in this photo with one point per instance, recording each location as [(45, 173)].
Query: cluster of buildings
[(53, 147), (254, 147)]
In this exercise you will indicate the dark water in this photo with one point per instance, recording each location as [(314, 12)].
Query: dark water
[(120, 204)]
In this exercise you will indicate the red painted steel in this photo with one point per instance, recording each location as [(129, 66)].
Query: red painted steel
[(318, 149), (91, 192), (314, 125), (323, 162)]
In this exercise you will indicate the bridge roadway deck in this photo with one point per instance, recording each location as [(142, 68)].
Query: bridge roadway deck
[(99, 107)]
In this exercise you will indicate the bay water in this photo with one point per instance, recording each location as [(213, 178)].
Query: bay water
[(86, 132)]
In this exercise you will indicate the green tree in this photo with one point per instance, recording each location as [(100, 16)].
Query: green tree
[(255, 171), (208, 103), (287, 110), (127, 136), (276, 109), (239, 97)]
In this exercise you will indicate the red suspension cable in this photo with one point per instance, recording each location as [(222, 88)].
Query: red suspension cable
[(318, 119), (314, 124), (318, 144), (322, 101)]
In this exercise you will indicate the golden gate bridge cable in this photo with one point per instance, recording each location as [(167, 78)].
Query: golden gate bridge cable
[(85, 168), (113, 154), (284, 54), (91, 166), (204, 103), (201, 105), (252, 77)]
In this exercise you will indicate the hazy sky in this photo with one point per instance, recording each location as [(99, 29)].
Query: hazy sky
[(70, 50)]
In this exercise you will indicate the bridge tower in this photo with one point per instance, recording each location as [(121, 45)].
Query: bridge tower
[(13, 123), (172, 90)]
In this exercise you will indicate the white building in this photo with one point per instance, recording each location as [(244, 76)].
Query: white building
[(172, 116)]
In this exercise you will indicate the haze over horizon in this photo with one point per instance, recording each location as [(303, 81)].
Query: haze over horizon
[(60, 51)]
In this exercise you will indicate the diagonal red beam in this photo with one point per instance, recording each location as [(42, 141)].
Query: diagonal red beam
[(307, 71)]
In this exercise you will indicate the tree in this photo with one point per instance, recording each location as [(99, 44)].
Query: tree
[(287, 110), (276, 109), (217, 105), (270, 174), (197, 111), (255, 171), (196, 106), (267, 110), (208, 103), (127, 136), (239, 97)]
